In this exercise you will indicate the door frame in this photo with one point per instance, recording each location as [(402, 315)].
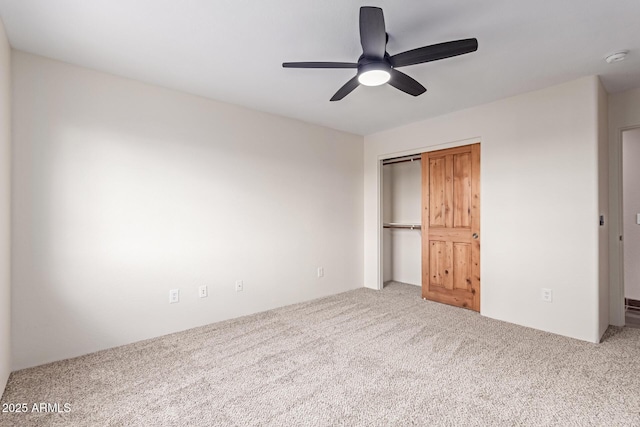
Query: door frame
[(413, 151), (616, 246)]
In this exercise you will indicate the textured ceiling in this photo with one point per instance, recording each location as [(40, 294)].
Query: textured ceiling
[(232, 50)]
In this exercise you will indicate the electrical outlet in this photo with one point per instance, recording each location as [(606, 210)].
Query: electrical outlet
[(239, 285), (174, 296), (202, 291), (547, 295), (320, 271)]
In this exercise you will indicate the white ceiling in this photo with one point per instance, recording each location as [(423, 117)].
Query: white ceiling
[(232, 50)]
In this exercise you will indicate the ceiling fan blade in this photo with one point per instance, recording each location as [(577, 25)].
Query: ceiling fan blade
[(434, 52), (346, 89), (405, 83), (319, 65), (373, 35)]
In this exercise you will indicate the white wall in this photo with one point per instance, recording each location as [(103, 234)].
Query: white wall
[(539, 202), (5, 208), (624, 113), (631, 207), (406, 191), (402, 203), (123, 191), (603, 208)]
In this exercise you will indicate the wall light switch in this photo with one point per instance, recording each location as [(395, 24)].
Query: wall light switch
[(202, 291), (638, 219), (174, 296), (320, 271)]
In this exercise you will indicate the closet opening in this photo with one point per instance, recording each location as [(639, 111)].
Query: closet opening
[(401, 210), (431, 224)]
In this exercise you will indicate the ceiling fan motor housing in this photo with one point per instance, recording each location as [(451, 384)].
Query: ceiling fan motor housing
[(368, 64)]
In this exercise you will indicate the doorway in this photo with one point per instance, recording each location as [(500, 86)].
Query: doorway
[(631, 224)]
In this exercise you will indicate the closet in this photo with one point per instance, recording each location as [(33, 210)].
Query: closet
[(401, 201), (431, 224)]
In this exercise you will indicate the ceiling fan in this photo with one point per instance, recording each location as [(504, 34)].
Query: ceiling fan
[(376, 67)]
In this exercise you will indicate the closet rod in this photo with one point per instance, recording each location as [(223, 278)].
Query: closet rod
[(407, 226), (412, 158)]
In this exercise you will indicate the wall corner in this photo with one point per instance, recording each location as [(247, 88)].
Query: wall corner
[(5, 208)]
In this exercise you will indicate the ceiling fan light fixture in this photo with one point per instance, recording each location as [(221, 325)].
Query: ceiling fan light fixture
[(374, 77), (374, 73)]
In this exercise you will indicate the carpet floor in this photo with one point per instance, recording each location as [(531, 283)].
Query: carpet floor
[(364, 357)]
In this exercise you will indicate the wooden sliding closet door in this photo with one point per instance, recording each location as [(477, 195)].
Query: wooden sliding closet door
[(451, 226)]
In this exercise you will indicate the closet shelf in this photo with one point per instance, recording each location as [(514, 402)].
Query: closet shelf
[(401, 225)]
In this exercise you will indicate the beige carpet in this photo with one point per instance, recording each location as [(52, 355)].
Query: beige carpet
[(359, 358)]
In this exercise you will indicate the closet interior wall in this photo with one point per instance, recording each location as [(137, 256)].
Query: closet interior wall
[(402, 247)]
